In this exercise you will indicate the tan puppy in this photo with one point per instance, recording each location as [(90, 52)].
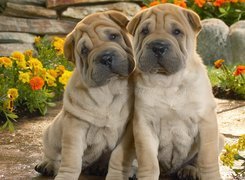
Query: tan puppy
[(174, 123), (98, 98)]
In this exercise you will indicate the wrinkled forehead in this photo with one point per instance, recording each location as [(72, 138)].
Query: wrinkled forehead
[(93, 29), (162, 16)]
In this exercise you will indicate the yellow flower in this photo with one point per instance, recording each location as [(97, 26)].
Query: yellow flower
[(6, 62), (37, 39), (24, 77), (28, 53), (218, 63), (20, 59), (53, 73), (65, 77), (50, 80), (18, 56), (60, 69), (34, 63), (241, 143), (228, 157), (12, 93), (58, 44)]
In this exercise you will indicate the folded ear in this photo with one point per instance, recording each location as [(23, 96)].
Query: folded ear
[(193, 19), (118, 18), (69, 47), (133, 24)]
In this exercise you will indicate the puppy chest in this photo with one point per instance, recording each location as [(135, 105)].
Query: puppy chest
[(177, 134)]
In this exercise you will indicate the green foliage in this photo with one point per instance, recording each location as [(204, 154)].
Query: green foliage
[(229, 11), (30, 83)]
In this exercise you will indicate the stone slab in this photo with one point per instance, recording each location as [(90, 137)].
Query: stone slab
[(7, 49), (57, 3), (36, 2), (30, 11), (35, 26), (130, 9), (12, 37)]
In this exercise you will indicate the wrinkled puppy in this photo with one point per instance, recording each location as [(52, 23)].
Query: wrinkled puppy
[(97, 101), (174, 121)]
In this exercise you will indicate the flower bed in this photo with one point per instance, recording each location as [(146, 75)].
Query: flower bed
[(229, 11), (30, 83)]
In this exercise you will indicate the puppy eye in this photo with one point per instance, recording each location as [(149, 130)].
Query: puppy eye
[(176, 32), (145, 31), (84, 51), (113, 36)]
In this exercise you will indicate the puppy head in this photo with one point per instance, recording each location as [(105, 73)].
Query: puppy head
[(100, 47), (164, 38)]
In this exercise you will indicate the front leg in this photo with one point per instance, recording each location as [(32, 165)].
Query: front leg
[(209, 147), (122, 157), (146, 145), (73, 146)]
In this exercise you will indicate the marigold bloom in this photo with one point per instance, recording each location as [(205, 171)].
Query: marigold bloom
[(28, 53), (59, 45), (24, 77), (218, 63), (50, 80), (60, 69), (180, 3), (228, 157), (36, 83), (200, 3), (53, 73), (241, 143), (65, 77), (12, 93), (37, 39), (154, 3), (6, 62), (18, 56), (239, 70), (218, 3)]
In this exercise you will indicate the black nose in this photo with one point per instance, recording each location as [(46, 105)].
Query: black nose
[(159, 48), (106, 59)]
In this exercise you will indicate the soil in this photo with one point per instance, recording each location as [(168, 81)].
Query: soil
[(226, 94)]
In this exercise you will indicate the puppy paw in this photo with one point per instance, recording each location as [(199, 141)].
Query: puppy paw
[(189, 173), (47, 168)]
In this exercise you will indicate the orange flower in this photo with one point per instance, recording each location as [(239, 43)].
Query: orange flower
[(200, 3), (154, 3), (218, 3), (36, 83), (218, 63), (239, 70), (180, 3)]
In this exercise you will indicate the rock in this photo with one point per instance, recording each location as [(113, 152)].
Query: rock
[(34, 2), (11, 37), (57, 3), (35, 26), (30, 11), (236, 41), (130, 9), (7, 49), (212, 41)]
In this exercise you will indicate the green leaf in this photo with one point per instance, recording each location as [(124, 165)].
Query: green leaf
[(222, 10), (51, 104), (12, 116)]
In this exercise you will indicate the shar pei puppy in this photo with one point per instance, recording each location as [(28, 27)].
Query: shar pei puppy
[(175, 127), (98, 99)]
